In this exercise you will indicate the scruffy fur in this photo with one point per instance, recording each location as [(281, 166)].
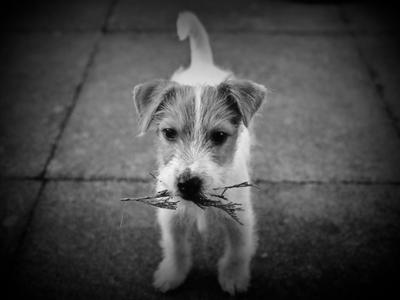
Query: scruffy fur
[(196, 106)]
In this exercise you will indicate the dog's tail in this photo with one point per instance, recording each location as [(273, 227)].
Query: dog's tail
[(188, 25)]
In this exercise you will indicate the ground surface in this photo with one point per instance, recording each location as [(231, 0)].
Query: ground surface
[(327, 157)]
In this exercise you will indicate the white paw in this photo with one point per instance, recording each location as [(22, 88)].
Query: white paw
[(167, 277), (234, 278)]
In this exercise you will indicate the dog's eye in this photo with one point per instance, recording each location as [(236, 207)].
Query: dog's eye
[(218, 137), (170, 134)]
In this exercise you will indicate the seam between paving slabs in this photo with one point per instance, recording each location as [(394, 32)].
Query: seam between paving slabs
[(111, 9), (256, 181), (155, 31), (268, 32), (290, 32), (71, 106), (78, 89), (41, 178), (373, 75), (77, 92)]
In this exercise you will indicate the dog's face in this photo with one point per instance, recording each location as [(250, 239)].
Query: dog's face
[(198, 129)]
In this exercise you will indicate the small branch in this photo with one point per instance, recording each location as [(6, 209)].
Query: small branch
[(219, 196), (230, 208), (239, 185), (161, 194), (162, 199)]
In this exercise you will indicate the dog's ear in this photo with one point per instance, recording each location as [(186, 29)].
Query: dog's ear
[(247, 95), (147, 98)]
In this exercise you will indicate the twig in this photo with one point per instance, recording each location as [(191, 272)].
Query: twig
[(230, 208), (239, 185), (162, 199), (161, 194), (219, 196)]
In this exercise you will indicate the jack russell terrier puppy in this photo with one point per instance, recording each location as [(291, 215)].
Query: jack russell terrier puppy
[(201, 115)]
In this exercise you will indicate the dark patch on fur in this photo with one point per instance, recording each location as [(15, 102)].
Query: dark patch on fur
[(217, 107), (247, 95), (223, 108), (218, 111), (148, 97), (224, 154)]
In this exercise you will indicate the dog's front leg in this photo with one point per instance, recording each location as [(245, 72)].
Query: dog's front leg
[(176, 263), (234, 266)]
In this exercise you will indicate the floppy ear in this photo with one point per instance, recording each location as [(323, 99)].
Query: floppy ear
[(147, 97), (247, 95)]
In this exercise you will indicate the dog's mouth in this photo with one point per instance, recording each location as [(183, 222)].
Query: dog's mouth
[(215, 198), (193, 197)]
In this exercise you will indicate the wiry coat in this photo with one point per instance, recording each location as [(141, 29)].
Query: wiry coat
[(193, 112)]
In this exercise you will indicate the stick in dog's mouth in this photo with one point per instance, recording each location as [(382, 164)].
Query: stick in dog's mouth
[(165, 199)]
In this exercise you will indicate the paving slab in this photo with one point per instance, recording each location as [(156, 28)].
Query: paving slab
[(73, 238), (325, 241), (382, 53), (17, 200), (315, 241), (323, 119), (59, 15), (39, 74), (371, 17), (101, 138), (227, 15)]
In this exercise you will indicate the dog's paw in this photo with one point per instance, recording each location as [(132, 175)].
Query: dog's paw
[(234, 278), (167, 277), (234, 284)]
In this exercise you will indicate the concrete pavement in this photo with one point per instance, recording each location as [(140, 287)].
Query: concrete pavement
[(326, 160)]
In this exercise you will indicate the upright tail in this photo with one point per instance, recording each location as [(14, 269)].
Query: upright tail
[(188, 25)]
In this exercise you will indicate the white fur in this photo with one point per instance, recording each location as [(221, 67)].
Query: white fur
[(201, 70), (240, 243), (197, 75), (197, 100)]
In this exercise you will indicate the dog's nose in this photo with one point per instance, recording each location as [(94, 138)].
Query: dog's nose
[(189, 186)]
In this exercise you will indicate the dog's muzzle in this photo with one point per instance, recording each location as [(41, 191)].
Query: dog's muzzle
[(189, 186)]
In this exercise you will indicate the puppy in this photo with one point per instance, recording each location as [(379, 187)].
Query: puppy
[(201, 116)]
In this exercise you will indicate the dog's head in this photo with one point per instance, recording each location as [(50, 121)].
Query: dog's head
[(198, 129)]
